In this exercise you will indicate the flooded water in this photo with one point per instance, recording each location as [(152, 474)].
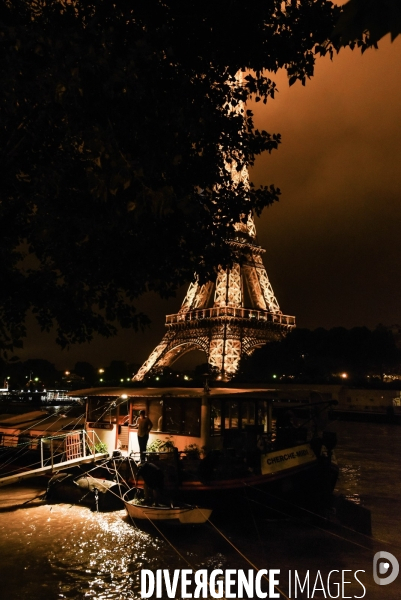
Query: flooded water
[(60, 551)]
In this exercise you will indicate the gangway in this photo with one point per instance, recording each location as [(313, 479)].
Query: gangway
[(74, 449)]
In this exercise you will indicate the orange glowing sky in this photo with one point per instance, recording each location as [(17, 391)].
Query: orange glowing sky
[(333, 241)]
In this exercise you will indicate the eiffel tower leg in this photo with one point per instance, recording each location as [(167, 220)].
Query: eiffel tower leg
[(225, 351), (162, 355), (174, 345), (154, 357)]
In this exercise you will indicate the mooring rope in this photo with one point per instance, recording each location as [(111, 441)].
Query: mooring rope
[(242, 554)]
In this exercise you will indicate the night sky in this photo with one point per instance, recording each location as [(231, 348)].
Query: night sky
[(333, 241)]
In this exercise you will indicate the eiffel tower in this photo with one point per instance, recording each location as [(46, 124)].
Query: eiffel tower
[(243, 314)]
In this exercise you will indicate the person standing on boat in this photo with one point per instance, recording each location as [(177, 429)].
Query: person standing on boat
[(153, 482), (144, 426)]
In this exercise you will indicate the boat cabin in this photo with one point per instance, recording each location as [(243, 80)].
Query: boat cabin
[(184, 417)]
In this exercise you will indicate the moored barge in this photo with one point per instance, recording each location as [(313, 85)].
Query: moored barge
[(213, 443)]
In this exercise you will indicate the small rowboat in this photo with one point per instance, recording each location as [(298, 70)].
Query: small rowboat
[(183, 513)]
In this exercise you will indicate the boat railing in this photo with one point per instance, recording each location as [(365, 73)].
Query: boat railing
[(54, 449), (69, 446)]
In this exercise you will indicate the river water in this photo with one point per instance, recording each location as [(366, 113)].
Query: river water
[(60, 551)]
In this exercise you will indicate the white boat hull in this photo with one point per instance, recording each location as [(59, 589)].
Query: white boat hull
[(183, 514)]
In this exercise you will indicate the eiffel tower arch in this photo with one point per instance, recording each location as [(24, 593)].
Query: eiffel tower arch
[(227, 318)]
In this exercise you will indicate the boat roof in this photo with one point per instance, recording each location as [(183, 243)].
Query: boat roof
[(40, 421), (278, 394), (162, 392), (25, 417), (52, 424), (138, 392), (56, 424)]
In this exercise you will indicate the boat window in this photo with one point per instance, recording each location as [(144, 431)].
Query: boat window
[(247, 413), (182, 416), (231, 415), (101, 410), (215, 417), (172, 415), (192, 417), (156, 414), (123, 413), (136, 407), (263, 415)]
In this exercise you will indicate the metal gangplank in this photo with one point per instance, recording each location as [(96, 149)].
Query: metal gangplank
[(75, 448)]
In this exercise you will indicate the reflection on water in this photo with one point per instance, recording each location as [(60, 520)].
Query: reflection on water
[(70, 552), (350, 482), (101, 558), (369, 455), (63, 551)]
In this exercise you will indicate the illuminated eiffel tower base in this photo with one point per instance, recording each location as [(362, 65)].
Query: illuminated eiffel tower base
[(227, 318)]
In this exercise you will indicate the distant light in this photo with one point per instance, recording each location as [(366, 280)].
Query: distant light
[(157, 378), (344, 375), (186, 377), (66, 373), (100, 379), (128, 379), (101, 371), (121, 379), (124, 396), (274, 376)]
